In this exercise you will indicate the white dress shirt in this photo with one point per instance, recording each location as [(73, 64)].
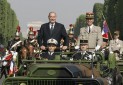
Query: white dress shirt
[(90, 28), (50, 25)]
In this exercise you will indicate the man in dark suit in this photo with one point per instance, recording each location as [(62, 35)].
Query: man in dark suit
[(52, 29), (50, 54)]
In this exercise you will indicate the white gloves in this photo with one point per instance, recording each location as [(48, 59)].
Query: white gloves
[(97, 47), (76, 47)]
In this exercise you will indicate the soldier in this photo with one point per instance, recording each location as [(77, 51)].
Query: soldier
[(15, 44), (116, 45), (50, 54), (31, 39), (83, 54), (72, 40), (91, 32)]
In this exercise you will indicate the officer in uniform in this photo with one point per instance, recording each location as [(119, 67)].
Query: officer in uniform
[(15, 44), (50, 54), (83, 53), (92, 33), (72, 40), (116, 45)]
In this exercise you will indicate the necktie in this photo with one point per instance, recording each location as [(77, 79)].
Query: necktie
[(50, 53), (51, 29), (82, 55), (89, 29)]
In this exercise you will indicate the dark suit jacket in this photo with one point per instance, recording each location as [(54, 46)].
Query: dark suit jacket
[(59, 32), (48, 56)]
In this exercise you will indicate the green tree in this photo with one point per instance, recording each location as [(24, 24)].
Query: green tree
[(119, 17), (8, 22), (98, 14), (80, 22), (110, 14)]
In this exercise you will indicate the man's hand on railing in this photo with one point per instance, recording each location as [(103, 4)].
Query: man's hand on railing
[(64, 48), (43, 47)]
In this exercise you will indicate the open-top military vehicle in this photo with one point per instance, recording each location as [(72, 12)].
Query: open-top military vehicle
[(97, 71)]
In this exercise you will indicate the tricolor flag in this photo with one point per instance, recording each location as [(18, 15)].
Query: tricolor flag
[(105, 30), (11, 70)]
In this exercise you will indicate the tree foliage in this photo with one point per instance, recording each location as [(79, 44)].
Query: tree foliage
[(119, 17), (8, 22), (114, 15), (80, 22), (98, 14)]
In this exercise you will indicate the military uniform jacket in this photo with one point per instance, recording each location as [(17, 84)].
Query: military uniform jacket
[(94, 37), (116, 45), (11, 43), (81, 56), (48, 56)]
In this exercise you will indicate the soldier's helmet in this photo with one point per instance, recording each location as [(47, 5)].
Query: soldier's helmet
[(17, 31), (30, 31), (17, 34), (71, 26), (83, 42), (52, 41), (70, 32), (89, 15)]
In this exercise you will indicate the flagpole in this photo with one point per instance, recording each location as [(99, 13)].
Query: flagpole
[(108, 27)]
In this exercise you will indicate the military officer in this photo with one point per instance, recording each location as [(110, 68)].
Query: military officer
[(91, 32), (116, 45), (50, 54), (83, 53)]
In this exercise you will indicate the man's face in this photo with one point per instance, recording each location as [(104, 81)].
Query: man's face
[(70, 36), (89, 21), (116, 36), (17, 37), (83, 47), (52, 17), (31, 36), (51, 48)]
